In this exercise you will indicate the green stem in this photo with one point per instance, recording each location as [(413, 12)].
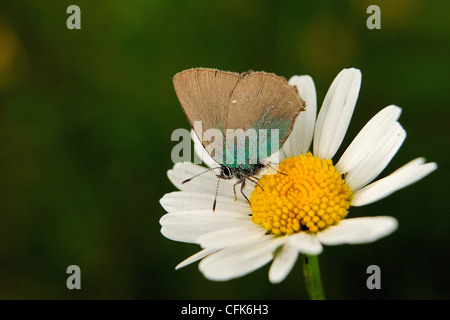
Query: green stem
[(311, 272)]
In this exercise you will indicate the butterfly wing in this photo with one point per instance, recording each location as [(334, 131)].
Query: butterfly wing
[(264, 101), (225, 100), (204, 95)]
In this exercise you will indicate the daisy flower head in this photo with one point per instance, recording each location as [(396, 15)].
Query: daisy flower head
[(303, 206)]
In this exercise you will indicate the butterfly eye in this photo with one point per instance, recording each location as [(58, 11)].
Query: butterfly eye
[(226, 171)]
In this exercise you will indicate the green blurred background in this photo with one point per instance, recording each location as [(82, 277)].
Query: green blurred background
[(86, 118)]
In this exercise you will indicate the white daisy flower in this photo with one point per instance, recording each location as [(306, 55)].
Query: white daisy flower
[(304, 208)]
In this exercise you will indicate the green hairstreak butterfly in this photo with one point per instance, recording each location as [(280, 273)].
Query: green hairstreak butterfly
[(250, 115)]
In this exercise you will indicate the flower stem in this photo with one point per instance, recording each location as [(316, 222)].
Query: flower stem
[(311, 272)]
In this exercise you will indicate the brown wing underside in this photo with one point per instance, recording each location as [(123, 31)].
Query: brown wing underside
[(264, 100), (230, 100), (204, 95)]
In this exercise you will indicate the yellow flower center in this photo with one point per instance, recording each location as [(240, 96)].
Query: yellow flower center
[(307, 194)]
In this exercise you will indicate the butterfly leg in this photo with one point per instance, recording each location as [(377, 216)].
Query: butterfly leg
[(255, 181), (234, 189), (242, 191)]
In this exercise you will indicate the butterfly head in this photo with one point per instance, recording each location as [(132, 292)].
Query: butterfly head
[(240, 173)]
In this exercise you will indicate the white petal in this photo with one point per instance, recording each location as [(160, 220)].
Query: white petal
[(201, 152), (233, 262), (306, 243), (231, 236), (372, 133), (300, 139), (188, 226), (194, 201), (274, 159), (198, 256), (283, 263), (281, 156), (206, 182), (377, 159), (336, 112), (401, 178), (358, 230)]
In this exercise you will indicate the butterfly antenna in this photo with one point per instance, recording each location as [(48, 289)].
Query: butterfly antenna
[(187, 180), (215, 197)]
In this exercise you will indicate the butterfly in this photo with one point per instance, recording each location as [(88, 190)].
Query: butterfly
[(240, 118)]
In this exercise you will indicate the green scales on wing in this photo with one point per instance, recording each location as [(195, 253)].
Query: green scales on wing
[(246, 148)]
